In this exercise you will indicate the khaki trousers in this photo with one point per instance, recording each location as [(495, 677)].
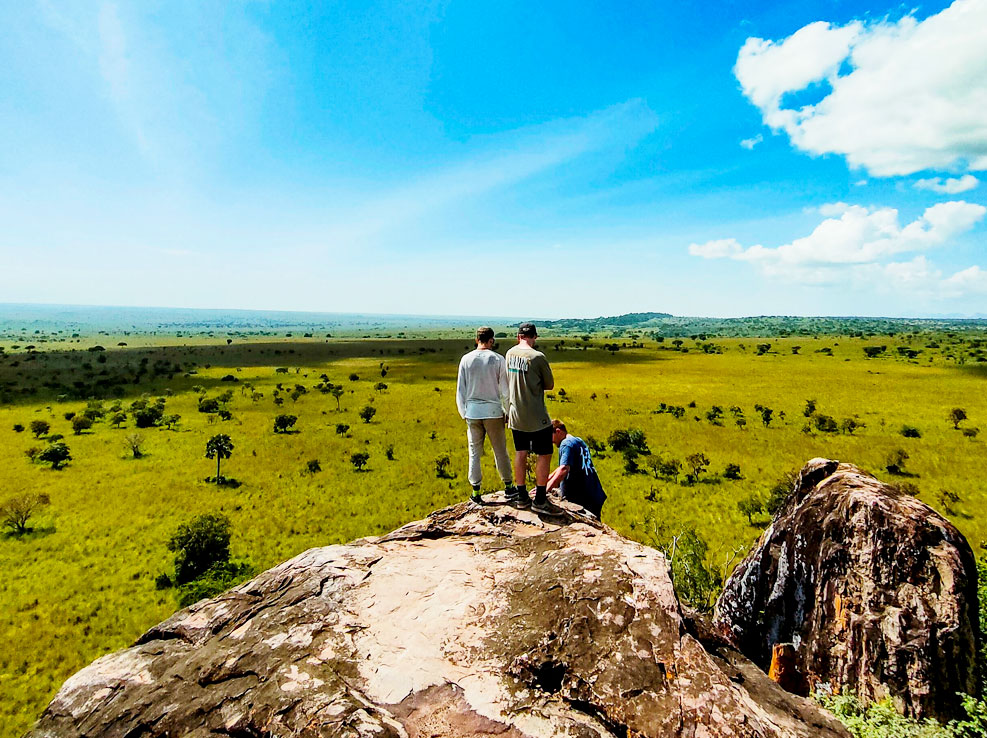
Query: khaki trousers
[(476, 431)]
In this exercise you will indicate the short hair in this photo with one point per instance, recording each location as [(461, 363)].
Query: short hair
[(558, 425), (484, 333)]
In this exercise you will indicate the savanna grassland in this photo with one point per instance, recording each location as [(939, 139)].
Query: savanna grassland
[(82, 582)]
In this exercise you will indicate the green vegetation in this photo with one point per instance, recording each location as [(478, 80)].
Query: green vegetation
[(663, 406)]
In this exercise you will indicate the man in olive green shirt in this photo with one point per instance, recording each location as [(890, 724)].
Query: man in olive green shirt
[(528, 378)]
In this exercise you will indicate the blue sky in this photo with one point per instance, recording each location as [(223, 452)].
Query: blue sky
[(509, 158)]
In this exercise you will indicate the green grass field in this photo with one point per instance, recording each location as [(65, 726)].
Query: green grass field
[(82, 583)]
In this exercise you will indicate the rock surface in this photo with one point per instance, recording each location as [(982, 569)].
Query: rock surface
[(473, 622), (877, 591)]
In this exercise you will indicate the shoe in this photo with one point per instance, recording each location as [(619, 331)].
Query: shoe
[(547, 508), (520, 500), (477, 499)]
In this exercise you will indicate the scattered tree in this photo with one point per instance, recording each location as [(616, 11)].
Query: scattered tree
[(134, 442), (909, 431), (896, 462), (57, 454), (809, 409), (698, 463), (779, 493), (39, 428), (283, 423), (359, 460), (380, 387), (313, 466), (732, 471), (118, 419), (342, 429), (851, 426), (957, 415), (368, 413), (17, 511), (219, 447), (337, 392), (200, 545), (389, 452), (750, 506)]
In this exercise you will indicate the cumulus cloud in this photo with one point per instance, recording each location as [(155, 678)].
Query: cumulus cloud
[(900, 97), (949, 186), (857, 243), (750, 143)]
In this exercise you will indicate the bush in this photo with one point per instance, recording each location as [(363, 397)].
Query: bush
[(313, 466), (882, 720), (38, 428), (909, 431), (779, 492), (215, 580), (750, 506), (199, 545), (732, 471), (18, 428), (630, 439), (825, 423), (896, 461), (342, 429), (81, 423), (368, 413), (389, 452), (698, 463), (442, 467)]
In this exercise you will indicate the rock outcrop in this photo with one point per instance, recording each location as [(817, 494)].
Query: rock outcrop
[(875, 589), (473, 622)]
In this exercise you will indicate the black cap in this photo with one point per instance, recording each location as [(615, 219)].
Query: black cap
[(527, 329)]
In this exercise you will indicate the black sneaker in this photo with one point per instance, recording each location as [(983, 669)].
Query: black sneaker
[(519, 499), (547, 508), (477, 499)]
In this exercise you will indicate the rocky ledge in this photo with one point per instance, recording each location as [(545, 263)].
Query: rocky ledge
[(472, 622), (874, 590)]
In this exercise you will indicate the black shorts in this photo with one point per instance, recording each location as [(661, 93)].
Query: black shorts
[(537, 442)]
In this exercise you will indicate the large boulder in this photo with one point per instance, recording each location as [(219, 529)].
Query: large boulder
[(876, 591), (472, 622)]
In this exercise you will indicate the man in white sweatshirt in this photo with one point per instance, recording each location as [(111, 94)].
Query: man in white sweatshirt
[(482, 398)]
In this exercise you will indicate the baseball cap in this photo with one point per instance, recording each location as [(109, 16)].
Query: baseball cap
[(527, 329)]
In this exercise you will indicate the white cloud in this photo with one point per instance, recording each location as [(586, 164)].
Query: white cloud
[(721, 249), (950, 186), (858, 244), (750, 143), (915, 97)]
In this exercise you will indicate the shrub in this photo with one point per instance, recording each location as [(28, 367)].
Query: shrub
[(971, 432), (342, 429), (732, 471), (809, 409), (39, 428), (215, 580), (896, 461), (909, 431), (825, 423), (359, 460), (779, 493), (851, 426), (18, 428), (81, 423), (200, 545), (17, 511), (956, 416), (630, 439), (389, 452), (313, 466), (696, 583), (368, 413), (442, 467), (150, 416)]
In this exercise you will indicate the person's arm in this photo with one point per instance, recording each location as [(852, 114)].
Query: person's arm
[(461, 388), (547, 379), (505, 392), (555, 479)]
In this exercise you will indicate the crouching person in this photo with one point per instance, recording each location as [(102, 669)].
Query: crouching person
[(575, 477)]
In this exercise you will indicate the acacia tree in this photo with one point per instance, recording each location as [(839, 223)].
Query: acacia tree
[(282, 423), (337, 392), (359, 460), (134, 441), (56, 454), (368, 413), (16, 511), (219, 447)]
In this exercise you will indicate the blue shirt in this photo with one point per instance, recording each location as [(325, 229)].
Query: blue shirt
[(581, 485)]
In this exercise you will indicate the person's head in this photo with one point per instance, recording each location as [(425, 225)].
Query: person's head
[(527, 333), (559, 432), (484, 336)]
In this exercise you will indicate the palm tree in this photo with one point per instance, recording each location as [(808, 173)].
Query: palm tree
[(221, 447)]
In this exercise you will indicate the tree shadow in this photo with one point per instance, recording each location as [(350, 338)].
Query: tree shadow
[(31, 534)]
